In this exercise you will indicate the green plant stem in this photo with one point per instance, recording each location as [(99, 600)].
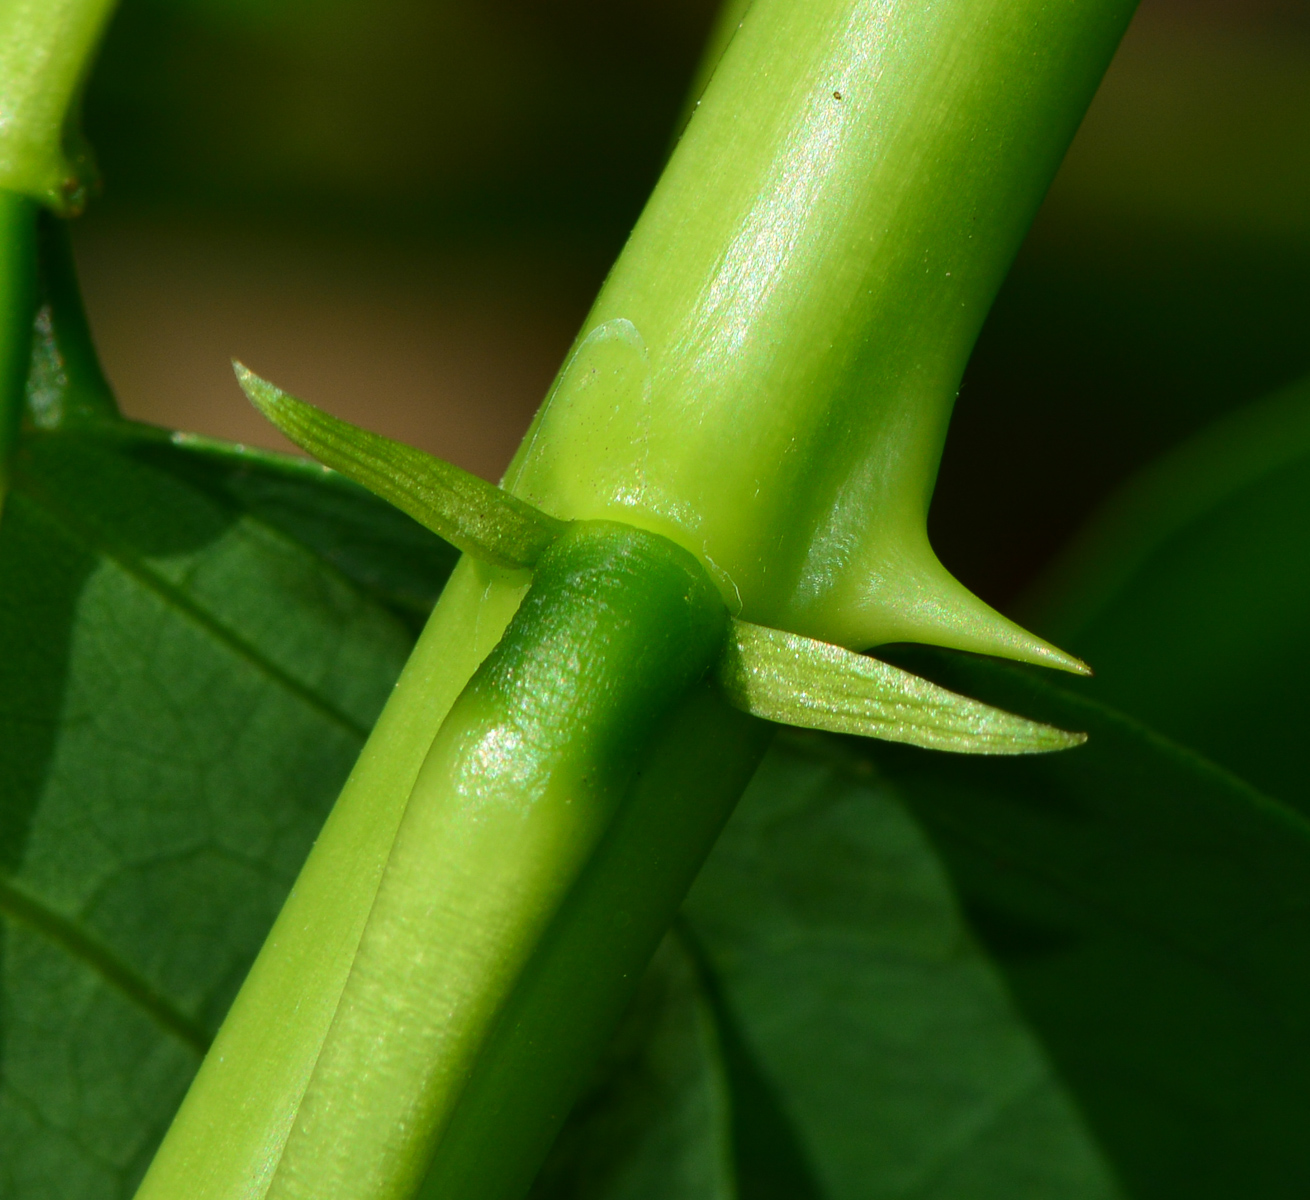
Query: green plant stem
[(46, 47), (572, 994), (513, 802), (17, 307), (726, 23), (767, 375), (765, 380)]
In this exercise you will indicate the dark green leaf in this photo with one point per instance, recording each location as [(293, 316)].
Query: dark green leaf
[(378, 548), (192, 648), (1190, 594), (1152, 915), (875, 1045)]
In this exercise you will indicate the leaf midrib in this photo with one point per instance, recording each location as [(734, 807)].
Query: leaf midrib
[(20, 905), (100, 543)]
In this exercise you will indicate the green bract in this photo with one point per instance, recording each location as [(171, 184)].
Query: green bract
[(798, 681), (471, 514)]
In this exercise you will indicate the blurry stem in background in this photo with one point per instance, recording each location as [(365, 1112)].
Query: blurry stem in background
[(66, 384), (17, 306), (46, 49), (766, 381)]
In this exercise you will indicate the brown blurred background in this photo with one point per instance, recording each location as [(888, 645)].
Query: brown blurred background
[(400, 209)]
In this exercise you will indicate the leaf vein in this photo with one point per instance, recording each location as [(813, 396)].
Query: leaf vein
[(19, 905), (99, 543)]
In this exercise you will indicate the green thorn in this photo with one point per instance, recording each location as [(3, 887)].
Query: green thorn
[(795, 680), (473, 515)]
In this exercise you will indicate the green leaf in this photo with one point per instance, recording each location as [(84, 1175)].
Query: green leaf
[(193, 644), (386, 554), (655, 1124), (796, 680), (1189, 594), (887, 1058), (1152, 915)]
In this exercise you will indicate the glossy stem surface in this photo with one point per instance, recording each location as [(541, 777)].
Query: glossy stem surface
[(229, 1134), (571, 995), (767, 375), (521, 787)]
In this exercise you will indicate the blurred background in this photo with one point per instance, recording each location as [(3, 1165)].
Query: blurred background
[(401, 209)]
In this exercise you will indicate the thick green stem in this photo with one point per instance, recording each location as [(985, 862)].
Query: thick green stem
[(228, 1136), (765, 380), (518, 792), (768, 373), (571, 995), (726, 23)]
